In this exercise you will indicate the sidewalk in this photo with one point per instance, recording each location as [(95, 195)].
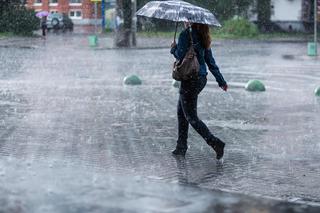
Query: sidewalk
[(70, 188), (74, 138)]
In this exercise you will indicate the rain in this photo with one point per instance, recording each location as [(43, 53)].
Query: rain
[(90, 127)]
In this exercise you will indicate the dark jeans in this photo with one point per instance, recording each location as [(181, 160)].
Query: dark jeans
[(44, 29), (187, 111)]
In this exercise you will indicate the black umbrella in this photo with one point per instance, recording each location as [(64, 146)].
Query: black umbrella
[(178, 11)]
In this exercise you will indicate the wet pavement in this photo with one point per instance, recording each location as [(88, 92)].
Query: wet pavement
[(73, 138)]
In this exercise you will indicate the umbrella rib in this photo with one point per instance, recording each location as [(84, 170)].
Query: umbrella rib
[(179, 11), (175, 33)]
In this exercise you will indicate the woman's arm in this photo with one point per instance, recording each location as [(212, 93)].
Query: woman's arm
[(214, 69), (180, 50)]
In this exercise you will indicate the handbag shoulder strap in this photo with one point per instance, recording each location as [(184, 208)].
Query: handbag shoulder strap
[(191, 48), (190, 34)]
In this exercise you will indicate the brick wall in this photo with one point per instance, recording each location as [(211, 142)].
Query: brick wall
[(88, 9), (63, 6)]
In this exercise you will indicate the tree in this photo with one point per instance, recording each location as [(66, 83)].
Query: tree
[(124, 30), (141, 3), (264, 15), (5, 4), (15, 18)]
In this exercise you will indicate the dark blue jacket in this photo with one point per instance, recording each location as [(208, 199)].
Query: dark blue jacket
[(204, 55)]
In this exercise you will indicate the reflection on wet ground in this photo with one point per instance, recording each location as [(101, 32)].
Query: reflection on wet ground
[(63, 103)]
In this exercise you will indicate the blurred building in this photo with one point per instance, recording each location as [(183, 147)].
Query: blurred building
[(293, 15), (80, 11)]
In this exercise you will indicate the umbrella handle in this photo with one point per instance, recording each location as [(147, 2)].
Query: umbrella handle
[(175, 33)]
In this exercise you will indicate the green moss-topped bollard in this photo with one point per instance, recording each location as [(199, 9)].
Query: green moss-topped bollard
[(317, 91), (132, 80), (255, 86), (176, 84)]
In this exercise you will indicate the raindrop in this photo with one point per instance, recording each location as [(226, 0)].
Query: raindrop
[(294, 199), (317, 91), (2, 172), (176, 84), (94, 179), (220, 161), (29, 164), (49, 191)]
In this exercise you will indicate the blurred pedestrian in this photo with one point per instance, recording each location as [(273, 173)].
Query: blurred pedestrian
[(43, 24), (190, 89)]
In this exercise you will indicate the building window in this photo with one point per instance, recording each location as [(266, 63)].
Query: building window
[(75, 14), (53, 2), (75, 1), (38, 2)]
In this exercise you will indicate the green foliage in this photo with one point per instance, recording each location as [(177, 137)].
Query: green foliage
[(4, 35), (18, 20), (5, 4), (239, 27)]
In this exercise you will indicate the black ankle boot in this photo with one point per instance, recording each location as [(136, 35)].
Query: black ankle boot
[(179, 151), (218, 147)]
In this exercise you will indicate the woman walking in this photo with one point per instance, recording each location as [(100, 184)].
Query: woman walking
[(190, 89)]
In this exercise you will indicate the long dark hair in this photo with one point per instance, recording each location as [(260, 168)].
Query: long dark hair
[(204, 34)]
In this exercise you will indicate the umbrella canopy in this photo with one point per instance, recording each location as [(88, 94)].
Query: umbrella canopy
[(42, 14), (178, 11)]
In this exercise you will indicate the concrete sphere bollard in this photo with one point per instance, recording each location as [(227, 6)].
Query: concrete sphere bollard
[(255, 86), (176, 84), (132, 80), (317, 91)]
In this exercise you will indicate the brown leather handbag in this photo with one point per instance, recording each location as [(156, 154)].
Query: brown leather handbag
[(188, 68)]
